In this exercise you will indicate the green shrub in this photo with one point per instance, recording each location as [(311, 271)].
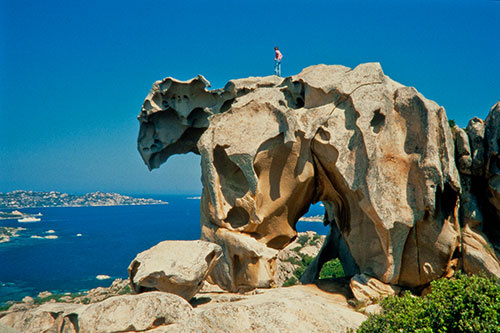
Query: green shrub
[(306, 260), (293, 260), (303, 239), (6, 306), (290, 282), (331, 269), (461, 304), (452, 123), (125, 290), (314, 241), (301, 266), (41, 300)]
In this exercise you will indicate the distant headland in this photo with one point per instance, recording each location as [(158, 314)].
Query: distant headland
[(30, 199)]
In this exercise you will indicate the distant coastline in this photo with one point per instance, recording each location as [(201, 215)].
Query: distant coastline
[(315, 218), (31, 199)]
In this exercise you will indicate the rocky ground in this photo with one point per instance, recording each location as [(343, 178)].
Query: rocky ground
[(318, 307)]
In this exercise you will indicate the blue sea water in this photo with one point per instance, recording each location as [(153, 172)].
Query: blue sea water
[(110, 239)]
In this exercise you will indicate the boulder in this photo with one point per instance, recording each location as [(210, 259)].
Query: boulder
[(49, 317), (368, 290), (479, 257), (177, 267), (134, 313), (28, 300)]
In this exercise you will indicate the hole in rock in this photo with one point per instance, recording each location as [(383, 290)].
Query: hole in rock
[(159, 321), (226, 105), (278, 242), (377, 121), (313, 220), (327, 265), (299, 102), (446, 200), (237, 217), (198, 118), (294, 95)]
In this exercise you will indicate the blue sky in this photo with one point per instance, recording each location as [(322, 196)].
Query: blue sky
[(74, 74)]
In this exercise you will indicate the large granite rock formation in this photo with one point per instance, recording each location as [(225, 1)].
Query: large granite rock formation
[(379, 155)]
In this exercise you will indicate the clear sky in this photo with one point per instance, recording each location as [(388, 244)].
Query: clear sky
[(74, 74)]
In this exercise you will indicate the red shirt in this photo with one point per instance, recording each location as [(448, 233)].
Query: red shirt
[(277, 55)]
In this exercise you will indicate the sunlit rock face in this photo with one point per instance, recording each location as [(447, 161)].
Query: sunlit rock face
[(478, 160), (379, 155)]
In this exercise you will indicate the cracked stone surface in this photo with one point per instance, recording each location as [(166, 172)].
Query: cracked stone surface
[(379, 155)]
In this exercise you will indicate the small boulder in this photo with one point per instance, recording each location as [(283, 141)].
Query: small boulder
[(49, 317), (368, 290), (177, 267), (478, 255), (28, 300), (44, 294)]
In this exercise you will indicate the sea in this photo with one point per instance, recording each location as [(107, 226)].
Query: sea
[(96, 241)]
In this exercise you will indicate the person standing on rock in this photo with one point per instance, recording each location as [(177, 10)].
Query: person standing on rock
[(277, 61)]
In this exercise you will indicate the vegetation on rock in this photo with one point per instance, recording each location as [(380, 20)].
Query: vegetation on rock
[(331, 269), (461, 304)]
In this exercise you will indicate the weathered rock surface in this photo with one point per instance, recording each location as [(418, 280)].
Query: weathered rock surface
[(379, 155), (292, 309), (177, 267), (134, 313), (368, 290), (478, 159), (49, 317)]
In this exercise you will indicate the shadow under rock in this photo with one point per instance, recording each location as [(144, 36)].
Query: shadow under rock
[(195, 301), (338, 285)]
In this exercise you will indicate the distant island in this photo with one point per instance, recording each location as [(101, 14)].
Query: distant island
[(6, 233), (315, 218), (31, 199)]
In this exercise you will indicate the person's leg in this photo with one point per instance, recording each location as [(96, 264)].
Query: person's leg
[(276, 67), (279, 68)]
